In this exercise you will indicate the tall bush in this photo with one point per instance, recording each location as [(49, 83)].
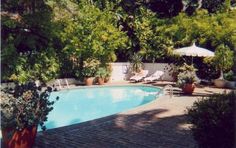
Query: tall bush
[(41, 66), (213, 120), (92, 33), (153, 45), (27, 33), (223, 59)]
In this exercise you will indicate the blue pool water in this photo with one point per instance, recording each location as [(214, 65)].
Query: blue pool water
[(84, 104)]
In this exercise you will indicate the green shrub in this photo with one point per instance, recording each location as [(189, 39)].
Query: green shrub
[(101, 72), (26, 105), (229, 75), (213, 121), (41, 66), (224, 58), (92, 33), (185, 75), (89, 67), (185, 79)]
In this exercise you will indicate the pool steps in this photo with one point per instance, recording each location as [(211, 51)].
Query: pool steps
[(59, 83), (168, 90)]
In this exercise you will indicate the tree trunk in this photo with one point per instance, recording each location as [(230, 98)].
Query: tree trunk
[(221, 75), (199, 4)]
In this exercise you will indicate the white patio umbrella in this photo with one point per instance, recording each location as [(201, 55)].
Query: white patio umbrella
[(194, 51)]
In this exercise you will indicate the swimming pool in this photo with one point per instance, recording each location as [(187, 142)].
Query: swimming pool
[(84, 104)]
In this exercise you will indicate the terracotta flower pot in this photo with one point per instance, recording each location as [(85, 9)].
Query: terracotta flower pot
[(107, 79), (89, 81), (19, 139), (101, 81), (220, 83), (188, 88)]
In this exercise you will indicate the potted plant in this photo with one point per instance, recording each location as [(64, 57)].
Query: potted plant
[(108, 74), (182, 68), (229, 77), (107, 77), (101, 73), (186, 78), (22, 110), (89, 69), (136, 63), (174, 73), (186, 82), (223, 60)]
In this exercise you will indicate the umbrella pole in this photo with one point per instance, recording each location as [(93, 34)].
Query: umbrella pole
[(192, 60)]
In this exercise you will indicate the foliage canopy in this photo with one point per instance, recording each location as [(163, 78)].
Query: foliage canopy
[(43, 44)]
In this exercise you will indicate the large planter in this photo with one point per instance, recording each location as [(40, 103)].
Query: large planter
[(230, 84), (188, 88), (107, 79), (101, 81), (174, 76), (19, 139), (220, 83), (88, 81)]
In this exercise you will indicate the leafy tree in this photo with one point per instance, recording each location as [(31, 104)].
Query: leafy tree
[(166, 8), (149, 31), (107, 30), (224, 58), (29, 22), (212, 6), (107, 4), (92, 34), (26, 33), (39, 66), (234, 66)]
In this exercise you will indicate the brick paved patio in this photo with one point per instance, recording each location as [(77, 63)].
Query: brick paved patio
[(159, 124)]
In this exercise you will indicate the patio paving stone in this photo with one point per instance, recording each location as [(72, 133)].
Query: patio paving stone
[(159, 124)]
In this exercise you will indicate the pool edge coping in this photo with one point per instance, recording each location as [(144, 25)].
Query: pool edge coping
[(106, 118)]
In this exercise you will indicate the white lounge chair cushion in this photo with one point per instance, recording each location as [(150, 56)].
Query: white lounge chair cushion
[(154, 76), (140, 75), (157, 74)]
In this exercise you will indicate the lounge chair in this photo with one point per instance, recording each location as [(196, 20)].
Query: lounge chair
[(139, 76), (155, 76)]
